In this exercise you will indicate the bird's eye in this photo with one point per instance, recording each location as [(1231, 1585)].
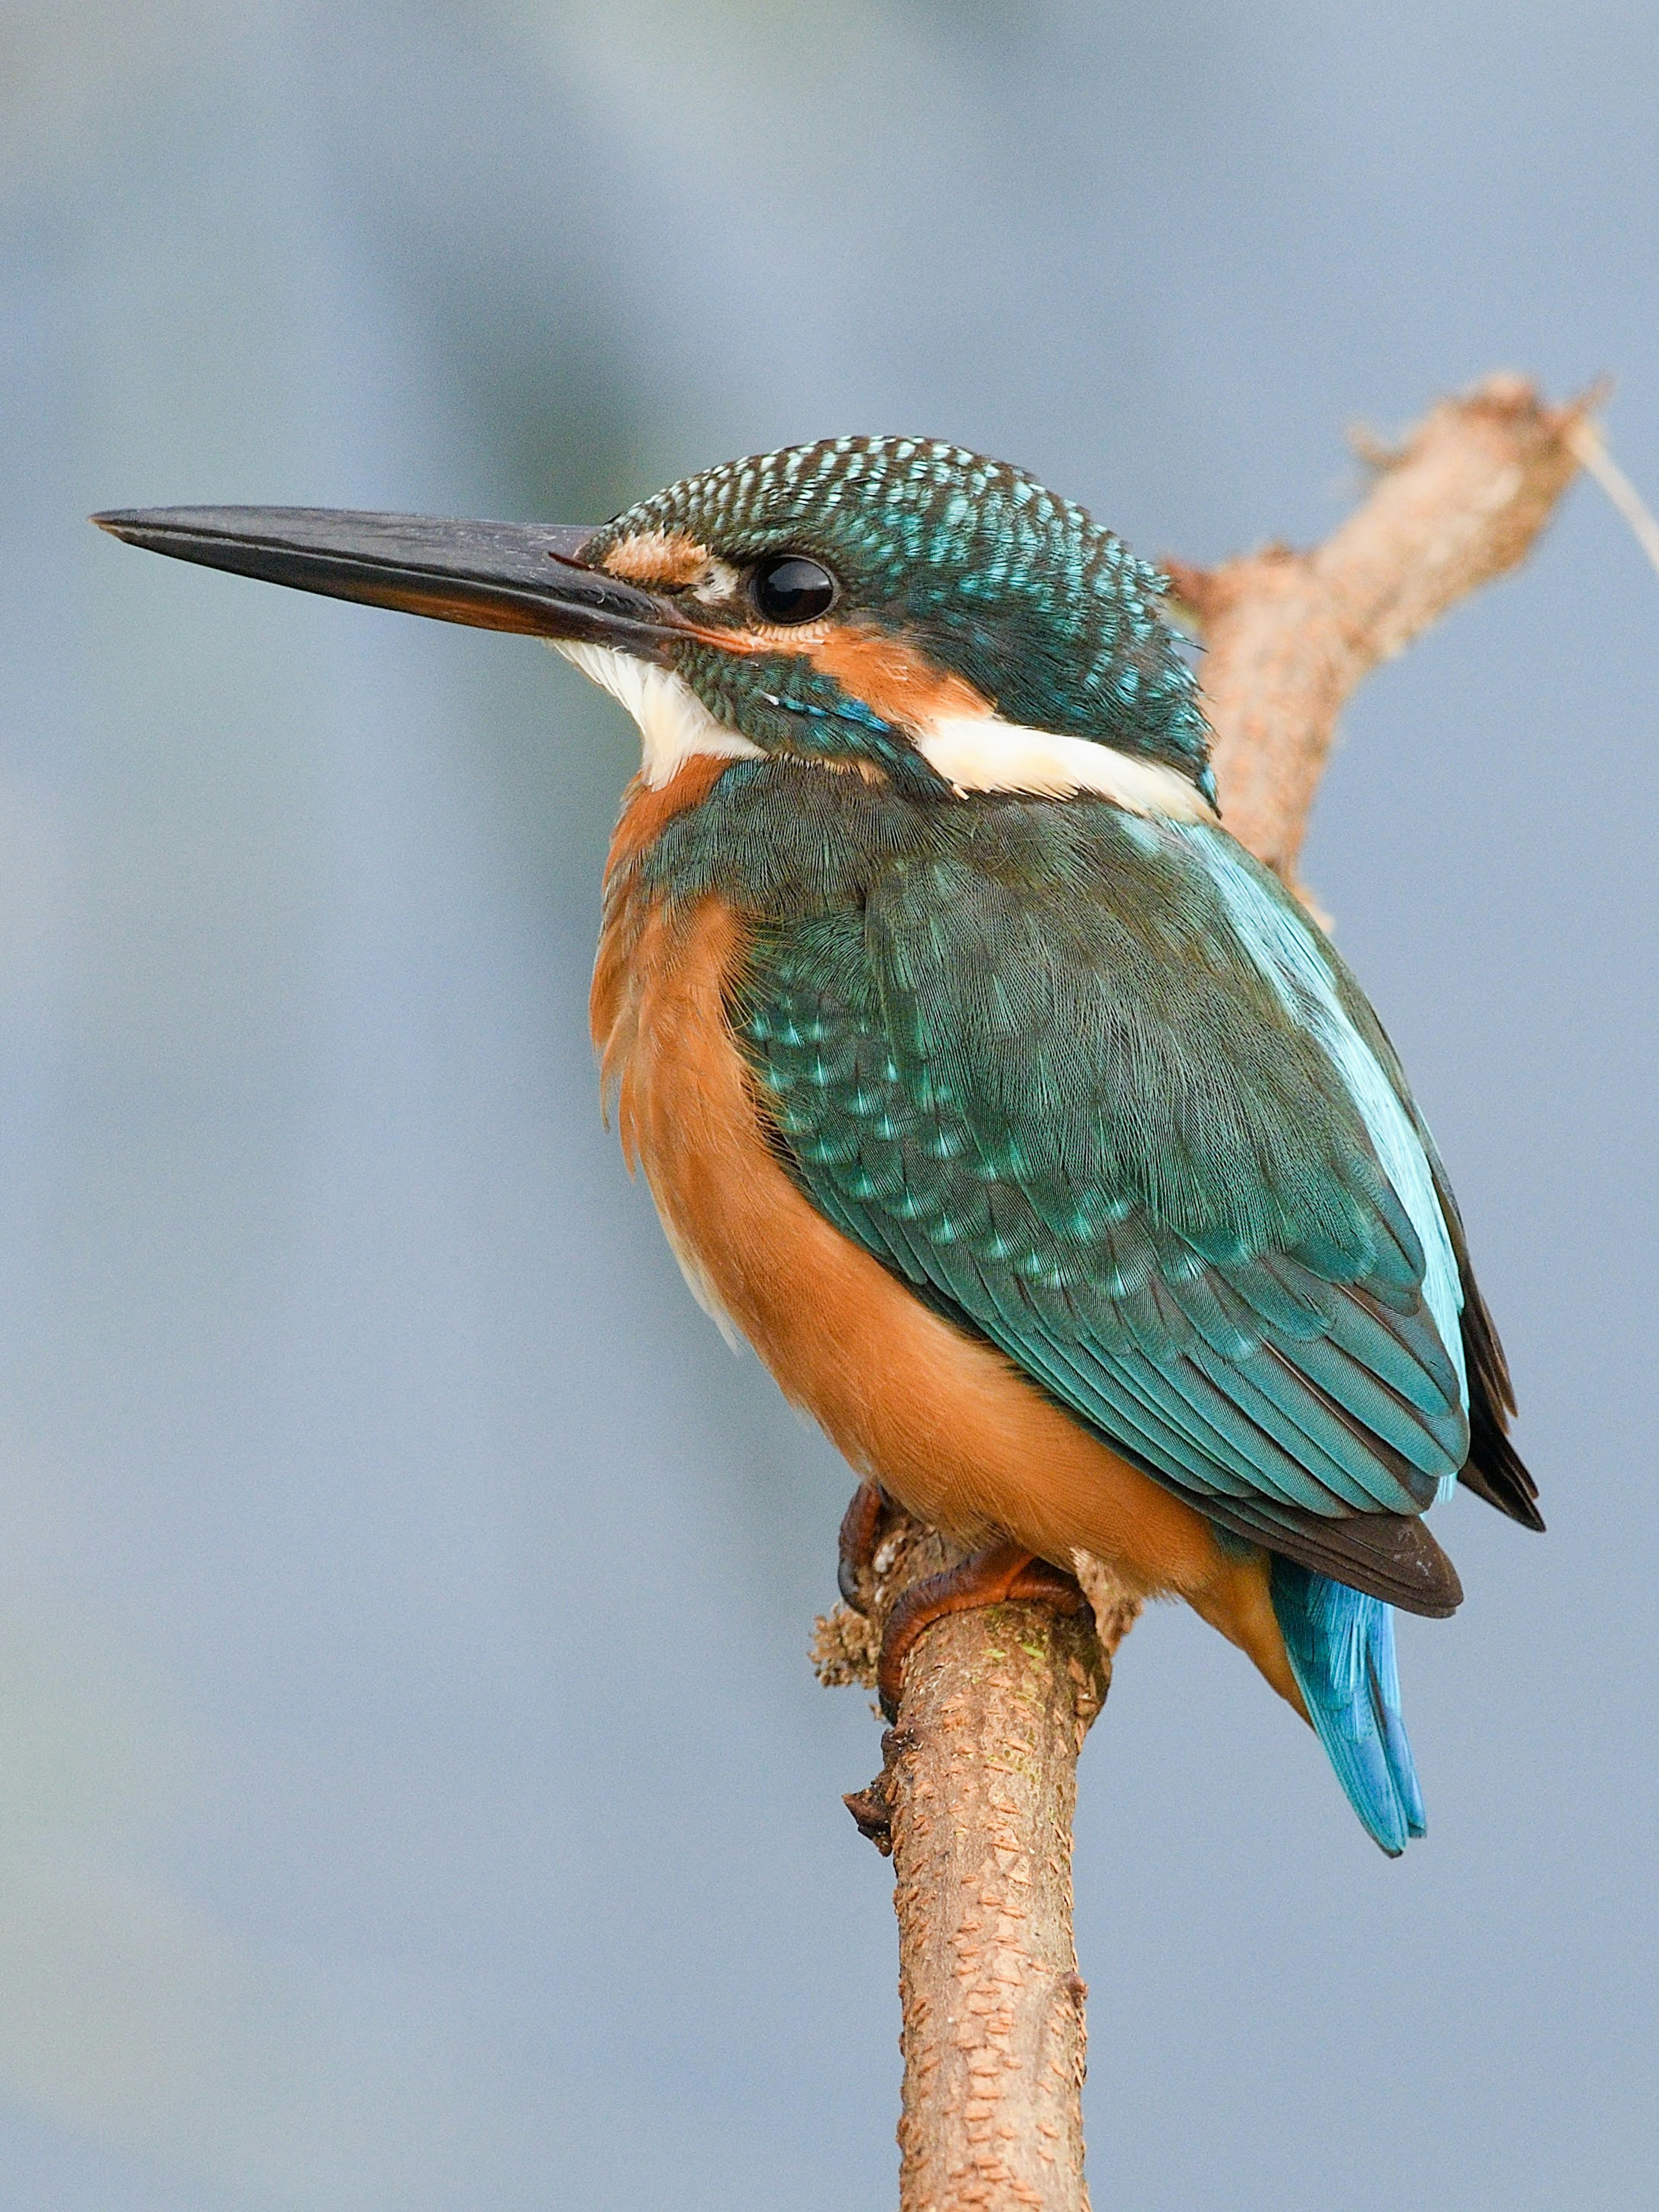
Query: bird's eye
[(790, 588)]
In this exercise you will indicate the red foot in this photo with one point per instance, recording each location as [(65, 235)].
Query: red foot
[(993, 1577), (860, 1532)]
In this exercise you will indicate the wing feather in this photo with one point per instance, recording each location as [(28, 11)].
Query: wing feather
[(1138, 1144)]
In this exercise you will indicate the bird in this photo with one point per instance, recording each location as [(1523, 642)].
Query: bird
[(1032, 1132)]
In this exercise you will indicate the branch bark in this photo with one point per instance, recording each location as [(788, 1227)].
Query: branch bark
[(1291, 635), (978, 1782)]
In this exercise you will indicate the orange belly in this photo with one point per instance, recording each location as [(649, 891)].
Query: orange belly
[(942, 1420)]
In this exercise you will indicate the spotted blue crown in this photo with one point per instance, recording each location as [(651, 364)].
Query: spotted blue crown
[(1046, 613)]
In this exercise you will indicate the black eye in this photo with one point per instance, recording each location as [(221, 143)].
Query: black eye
[(790, 588)]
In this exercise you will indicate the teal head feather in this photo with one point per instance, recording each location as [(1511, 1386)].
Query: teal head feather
[(971, 565)]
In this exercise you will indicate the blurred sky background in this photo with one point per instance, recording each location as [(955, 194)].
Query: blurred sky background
[(414, 1796)]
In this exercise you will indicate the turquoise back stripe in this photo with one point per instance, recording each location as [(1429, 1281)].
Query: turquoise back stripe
[(1286, 953)]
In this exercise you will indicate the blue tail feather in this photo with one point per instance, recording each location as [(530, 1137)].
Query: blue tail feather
[(1340, 1644)]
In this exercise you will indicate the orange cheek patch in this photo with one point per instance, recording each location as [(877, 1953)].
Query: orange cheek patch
[(901, 685), (659, 559)]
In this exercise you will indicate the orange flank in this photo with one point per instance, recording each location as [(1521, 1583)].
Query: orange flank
[(942, 1420)]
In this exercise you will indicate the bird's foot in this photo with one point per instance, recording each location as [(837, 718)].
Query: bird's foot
[(999, 1573), (860, 1533)]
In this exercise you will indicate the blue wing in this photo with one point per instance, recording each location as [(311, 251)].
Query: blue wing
[(1100, 1091)]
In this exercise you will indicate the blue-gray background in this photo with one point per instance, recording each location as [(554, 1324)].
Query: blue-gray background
[(413, 1793)]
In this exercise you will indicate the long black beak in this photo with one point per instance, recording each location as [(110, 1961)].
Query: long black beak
[(494, 575)]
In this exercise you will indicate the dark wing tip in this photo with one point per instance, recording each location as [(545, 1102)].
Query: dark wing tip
[(1391, 1556), (1495, 1470), (1394, 1557)]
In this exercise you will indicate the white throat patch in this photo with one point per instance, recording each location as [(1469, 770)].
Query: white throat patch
[(981, 752), (675, 726), (972, 752)]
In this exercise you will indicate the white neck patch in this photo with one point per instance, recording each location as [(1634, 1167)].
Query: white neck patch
[(675, 726), (981, 752), (972, 752)]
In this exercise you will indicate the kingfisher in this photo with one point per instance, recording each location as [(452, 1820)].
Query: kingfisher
[(1030, 1130)]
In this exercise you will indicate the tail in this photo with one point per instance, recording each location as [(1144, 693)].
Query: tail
[(1341, 1645)]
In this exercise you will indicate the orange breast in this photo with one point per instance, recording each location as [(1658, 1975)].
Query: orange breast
[(948, 1426)]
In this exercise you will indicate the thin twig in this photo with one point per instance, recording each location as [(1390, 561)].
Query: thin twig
[(1590, 449)]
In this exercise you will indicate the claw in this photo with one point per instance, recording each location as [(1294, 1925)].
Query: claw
[(993, 1577), (860, 1532)]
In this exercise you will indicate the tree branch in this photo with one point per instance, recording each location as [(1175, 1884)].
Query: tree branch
[(978, 1784), (1289, 636)]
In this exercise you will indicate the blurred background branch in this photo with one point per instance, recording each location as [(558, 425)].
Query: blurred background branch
[(1289, 636)]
